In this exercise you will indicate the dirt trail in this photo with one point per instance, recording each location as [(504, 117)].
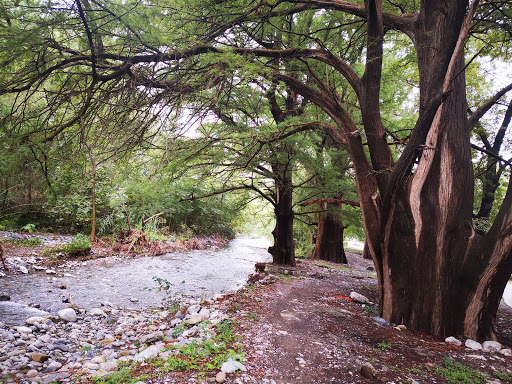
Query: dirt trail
[(296, 333)]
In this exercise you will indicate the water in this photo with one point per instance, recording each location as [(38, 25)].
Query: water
[(117, 281)]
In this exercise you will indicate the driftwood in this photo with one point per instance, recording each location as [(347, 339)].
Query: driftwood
[(2, 256)]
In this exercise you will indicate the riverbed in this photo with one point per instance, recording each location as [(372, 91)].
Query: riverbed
[(142, 281)]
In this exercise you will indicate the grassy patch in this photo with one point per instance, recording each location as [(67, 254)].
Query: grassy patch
[(80, 245), (456, 373), (124, 375), (208, 355), (336, 267), (383, 346), (29, 242), (502, 376)]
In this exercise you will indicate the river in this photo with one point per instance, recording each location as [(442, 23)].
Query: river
[(131, 282)]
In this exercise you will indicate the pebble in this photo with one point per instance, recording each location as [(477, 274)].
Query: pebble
[(220, 377)]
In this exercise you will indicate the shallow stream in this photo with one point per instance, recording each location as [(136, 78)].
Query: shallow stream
[(131, 282)]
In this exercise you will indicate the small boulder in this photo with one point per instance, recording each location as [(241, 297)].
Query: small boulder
[(151, 337), (358, 298), (4, 297), (67, 314), (474, 345), (367, 371), (491, 346), (231, 366), (453, 340), (381, 321)]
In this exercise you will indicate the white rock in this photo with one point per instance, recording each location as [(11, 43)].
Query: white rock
[(23, 269), (357, 297), (474, 345), (193, 309), (453, 340), (23, 329), (491, 346), (204, 313), (109, 366), (51, 272), (96, 312), (150, 352), (67, 314), (35, 319), (477, 357), (506, 352), (231, 366), (134, 300)]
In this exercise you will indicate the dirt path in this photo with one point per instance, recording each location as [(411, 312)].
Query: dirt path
[(295, 332)]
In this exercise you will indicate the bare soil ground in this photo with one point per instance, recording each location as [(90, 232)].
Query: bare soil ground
[(294, 331)]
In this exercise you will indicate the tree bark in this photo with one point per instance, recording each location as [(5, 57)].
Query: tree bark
[(329, 239), (283, 250)]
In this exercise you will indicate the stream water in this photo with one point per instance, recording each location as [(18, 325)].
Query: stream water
[(131, 282)]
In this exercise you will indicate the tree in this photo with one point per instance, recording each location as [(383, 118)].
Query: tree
[(435, 273)]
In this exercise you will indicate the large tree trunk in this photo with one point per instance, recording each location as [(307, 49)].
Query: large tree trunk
[(329, 239), (438, 275), (283, 250)]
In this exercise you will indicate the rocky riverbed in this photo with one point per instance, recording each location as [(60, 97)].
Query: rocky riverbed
[(78, 343)]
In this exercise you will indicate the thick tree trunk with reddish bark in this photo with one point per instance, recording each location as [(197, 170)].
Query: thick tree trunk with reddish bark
[(437, 275), (329, 239)]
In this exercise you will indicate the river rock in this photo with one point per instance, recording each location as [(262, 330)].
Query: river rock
[(51, 272), (23, 269), (194, 309), (491, 346), (506, 352), (35, 320), (4, 297), (220, 377), (367, 370), (150, 352), (231, 366), (151, 337), (381, 321), (474, 345), (358, 298), (67, 314), (96, 312), (453, 340), (109, 366), (40, 357), (24, 329)]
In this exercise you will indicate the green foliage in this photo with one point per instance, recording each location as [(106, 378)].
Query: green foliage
[(208, 355), (456, 373), (80, 245), (123, 375), (383, 346), (28, 227), (503, 376)]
